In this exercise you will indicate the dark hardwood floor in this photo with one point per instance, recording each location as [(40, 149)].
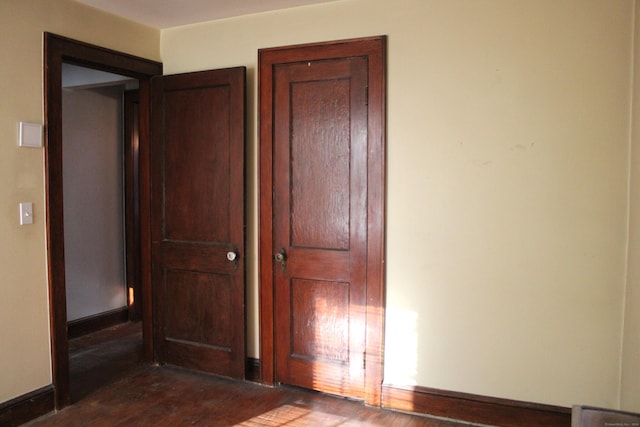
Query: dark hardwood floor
[(111, 388), (103, 357)]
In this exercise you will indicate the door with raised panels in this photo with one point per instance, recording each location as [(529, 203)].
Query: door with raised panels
[(321, 142), (198, 122)]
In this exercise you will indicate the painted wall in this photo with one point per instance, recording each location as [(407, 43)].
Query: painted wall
[(509, 165), (630, 372), (94, 251), (24, 319), (508, 143)]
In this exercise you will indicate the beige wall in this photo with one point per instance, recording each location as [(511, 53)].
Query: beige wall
[(630, 372), (508, 142), (24, 320)]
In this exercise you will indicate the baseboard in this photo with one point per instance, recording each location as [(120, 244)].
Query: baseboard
[(474, 408), (87, 325), (252, 370), (27, 407), (585, 416)]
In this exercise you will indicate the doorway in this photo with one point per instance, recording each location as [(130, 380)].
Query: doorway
[(93, 190), (59, 50), (99, 226), (322, 205)]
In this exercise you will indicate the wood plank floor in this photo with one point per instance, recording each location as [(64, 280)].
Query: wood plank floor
[(98, 359), (113, 389)]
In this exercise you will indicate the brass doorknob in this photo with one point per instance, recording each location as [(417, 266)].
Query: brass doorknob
[(281, 257)]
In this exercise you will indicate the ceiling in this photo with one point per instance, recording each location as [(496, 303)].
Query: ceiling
[(171, 13)]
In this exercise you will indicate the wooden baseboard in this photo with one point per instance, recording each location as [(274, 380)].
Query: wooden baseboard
[(474, 408), (27, 407), (592, 416), (252, 370), (87, 325)]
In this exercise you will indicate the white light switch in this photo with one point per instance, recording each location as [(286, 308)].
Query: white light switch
[(26, 213), (30, 135)]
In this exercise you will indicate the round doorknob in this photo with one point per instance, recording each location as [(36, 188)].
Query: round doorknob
[(231, 256), (281, 257)]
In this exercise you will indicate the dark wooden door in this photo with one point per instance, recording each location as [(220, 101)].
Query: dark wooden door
[(198, 253), (320, 223)]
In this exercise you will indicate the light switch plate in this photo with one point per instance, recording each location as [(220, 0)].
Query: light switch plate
[(26, 213), (30, 135)]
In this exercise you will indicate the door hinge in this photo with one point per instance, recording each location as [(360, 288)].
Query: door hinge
[(366, 96)]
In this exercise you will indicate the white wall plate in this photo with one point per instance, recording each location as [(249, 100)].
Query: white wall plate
[(30, 135)]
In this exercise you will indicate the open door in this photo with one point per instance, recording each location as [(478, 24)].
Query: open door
[(197, 220)]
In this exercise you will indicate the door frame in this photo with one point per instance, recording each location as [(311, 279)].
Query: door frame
[(131, 110), (58, 49), (374, 49)]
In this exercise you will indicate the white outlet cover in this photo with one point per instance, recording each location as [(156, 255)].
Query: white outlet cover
[(30, 135), (26, 213)]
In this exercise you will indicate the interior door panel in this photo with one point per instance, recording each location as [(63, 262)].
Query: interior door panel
[(198, 122)]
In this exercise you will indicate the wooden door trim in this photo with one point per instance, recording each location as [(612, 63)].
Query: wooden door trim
[(132, 206), (374, 49), (57, 50)]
